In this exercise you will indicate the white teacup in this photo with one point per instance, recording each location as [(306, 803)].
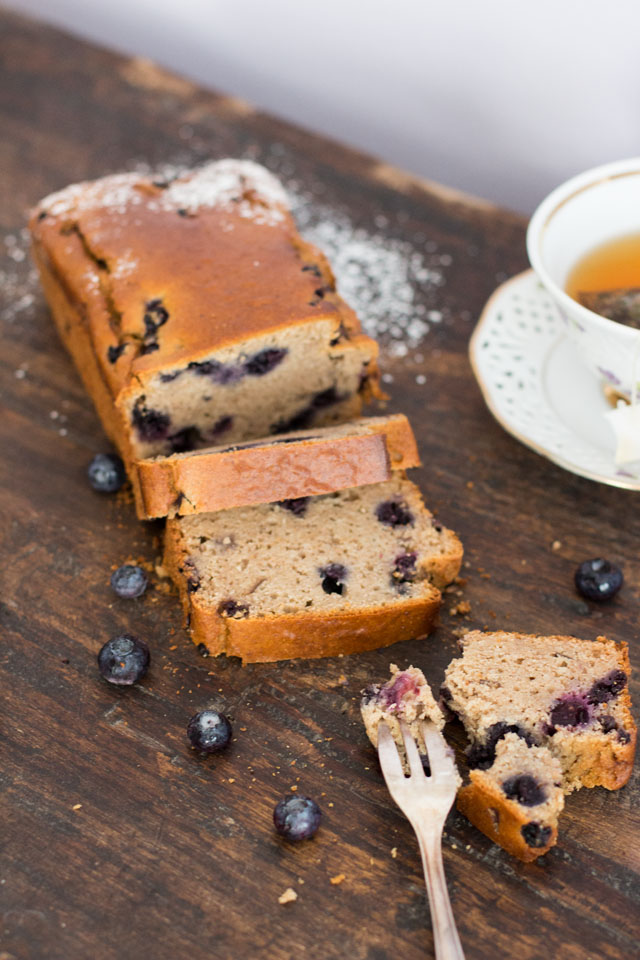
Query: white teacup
[(596, 206)]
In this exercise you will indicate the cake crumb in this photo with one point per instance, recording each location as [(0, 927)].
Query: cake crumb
[(556, 545), (76, 806), (288, 896), (394, 852), (460, 609), (339, 877)]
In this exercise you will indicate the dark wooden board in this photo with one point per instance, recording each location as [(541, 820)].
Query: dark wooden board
[(171, 856)]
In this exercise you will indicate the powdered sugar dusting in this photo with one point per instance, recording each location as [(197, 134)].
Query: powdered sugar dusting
[(240, 187), (117, 192), (383, 278)]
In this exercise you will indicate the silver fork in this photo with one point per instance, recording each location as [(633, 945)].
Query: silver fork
[(426, 801)]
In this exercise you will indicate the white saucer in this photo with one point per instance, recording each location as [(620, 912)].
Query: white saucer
[(537, 387)]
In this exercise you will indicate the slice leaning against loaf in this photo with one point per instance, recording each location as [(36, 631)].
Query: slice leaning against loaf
[(335, 574), (292, 465), (194, 311)]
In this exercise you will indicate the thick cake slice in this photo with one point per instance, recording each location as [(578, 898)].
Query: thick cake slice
[(567, 694), (405, 697), (288, 467), (517, 800), (328, 575), (195, 312)]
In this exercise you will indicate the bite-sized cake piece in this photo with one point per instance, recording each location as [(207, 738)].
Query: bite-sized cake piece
[(195, 312), (320, 576), (567, 694), (517, 800), (406, 696), (288, 467)]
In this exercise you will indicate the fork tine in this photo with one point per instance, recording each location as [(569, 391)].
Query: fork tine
[(413, 754), (388, 753), (440, 760)]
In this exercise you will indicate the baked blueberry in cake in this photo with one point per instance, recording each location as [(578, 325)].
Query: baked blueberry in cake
[(195, 312), (319, 580), (405, 697)]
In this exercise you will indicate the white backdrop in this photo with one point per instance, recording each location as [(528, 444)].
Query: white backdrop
[(503, 98)]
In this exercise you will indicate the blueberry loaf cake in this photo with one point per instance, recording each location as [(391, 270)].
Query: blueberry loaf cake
[(314, 576), (293, 465), (517, 800), (566, 694), (195, 312), (405, 697)]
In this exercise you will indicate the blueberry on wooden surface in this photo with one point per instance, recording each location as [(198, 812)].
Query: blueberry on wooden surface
[(209, 731), (106, 473), (598, 579), (124, 660), (296, 817), (129, 581)]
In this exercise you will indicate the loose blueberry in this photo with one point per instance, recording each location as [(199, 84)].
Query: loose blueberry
[(296, 817), (209, 731), (333, 577), (298, 506), (525, 789), (203, 649), (394, 513), (232, 609), (570, 711), (106, 473), (535, 835), (129, 581), (124, 660), (609, 687), (265, 361), (598, 579)]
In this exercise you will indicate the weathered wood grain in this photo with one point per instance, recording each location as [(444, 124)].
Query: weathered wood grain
[(170, 856)]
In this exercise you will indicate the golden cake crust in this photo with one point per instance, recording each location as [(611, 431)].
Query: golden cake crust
[(278, 469), (124, 241), (488, 809)]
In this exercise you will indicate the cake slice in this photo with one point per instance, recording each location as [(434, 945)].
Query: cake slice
[(517, 800), (405, 697), (288, 467), (567, 694), (320, 576), (195, 312)]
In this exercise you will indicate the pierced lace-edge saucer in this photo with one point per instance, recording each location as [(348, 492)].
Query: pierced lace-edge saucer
[(538, 388)]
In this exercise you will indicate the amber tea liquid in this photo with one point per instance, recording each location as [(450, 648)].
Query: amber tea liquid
[(614, 265)]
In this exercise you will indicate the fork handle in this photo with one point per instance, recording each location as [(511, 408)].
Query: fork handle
[(445, 935)]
